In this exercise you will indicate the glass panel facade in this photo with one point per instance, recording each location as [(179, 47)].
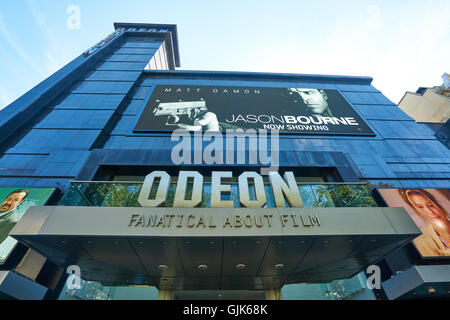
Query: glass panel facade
[(348, 289), (98, 194), (92, 290)]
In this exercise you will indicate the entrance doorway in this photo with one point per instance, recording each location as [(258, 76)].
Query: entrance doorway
[(220, 295)]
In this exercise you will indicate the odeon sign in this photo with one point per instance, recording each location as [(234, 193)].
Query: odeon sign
[(283, 190), (117, 33)]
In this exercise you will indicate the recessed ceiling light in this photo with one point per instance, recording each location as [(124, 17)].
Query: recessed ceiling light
[(279, 266), (202, 267), (240, 266)]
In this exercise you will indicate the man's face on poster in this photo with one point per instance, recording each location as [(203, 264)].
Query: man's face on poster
[(12, 201), (314, 99)]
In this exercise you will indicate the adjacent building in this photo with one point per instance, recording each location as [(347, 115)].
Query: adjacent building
[(122, 176), (431, 106)]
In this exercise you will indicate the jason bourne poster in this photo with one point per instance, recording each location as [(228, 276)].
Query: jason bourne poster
[(218, 108)]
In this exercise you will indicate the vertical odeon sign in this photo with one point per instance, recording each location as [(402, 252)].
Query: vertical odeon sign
[(115, 34)]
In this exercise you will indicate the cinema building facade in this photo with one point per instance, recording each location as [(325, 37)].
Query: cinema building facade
[(156, 183)]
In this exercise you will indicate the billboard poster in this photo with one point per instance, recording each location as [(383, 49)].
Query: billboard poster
[(13, 204), (218, 108), (430, 210)]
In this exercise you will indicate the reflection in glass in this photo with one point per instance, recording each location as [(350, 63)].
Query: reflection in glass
[(346, 289), (126, 195), (93, 290), (307, 195)]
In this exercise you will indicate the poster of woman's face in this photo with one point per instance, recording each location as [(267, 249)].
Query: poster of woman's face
[(430, 210)]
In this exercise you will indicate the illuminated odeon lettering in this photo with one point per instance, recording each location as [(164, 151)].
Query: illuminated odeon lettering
[(283, 190)]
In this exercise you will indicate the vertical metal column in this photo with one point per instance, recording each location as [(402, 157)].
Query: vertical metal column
[(165, 295), (274, 294)]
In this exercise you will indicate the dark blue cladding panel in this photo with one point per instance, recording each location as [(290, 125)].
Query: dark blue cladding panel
[(129, 57), (90, 101), (147, 51), (63, 164), (122, 66), (28, 182), (124, 125), (396, 130), (151, 44), (76, 119), (113, 75), (47, 140), (381, 112), (20, 161), (134, 39), (134, 107), (367, 98), (356, 88), (421, 131), (19, 164), (106, 87), (140, 92)]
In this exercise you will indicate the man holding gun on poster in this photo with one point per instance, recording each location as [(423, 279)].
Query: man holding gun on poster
[(188, 115)]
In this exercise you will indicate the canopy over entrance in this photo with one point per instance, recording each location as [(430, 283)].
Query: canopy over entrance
[(215, 249)]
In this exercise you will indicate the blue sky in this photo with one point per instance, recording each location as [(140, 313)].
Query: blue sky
[(402, 44)]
